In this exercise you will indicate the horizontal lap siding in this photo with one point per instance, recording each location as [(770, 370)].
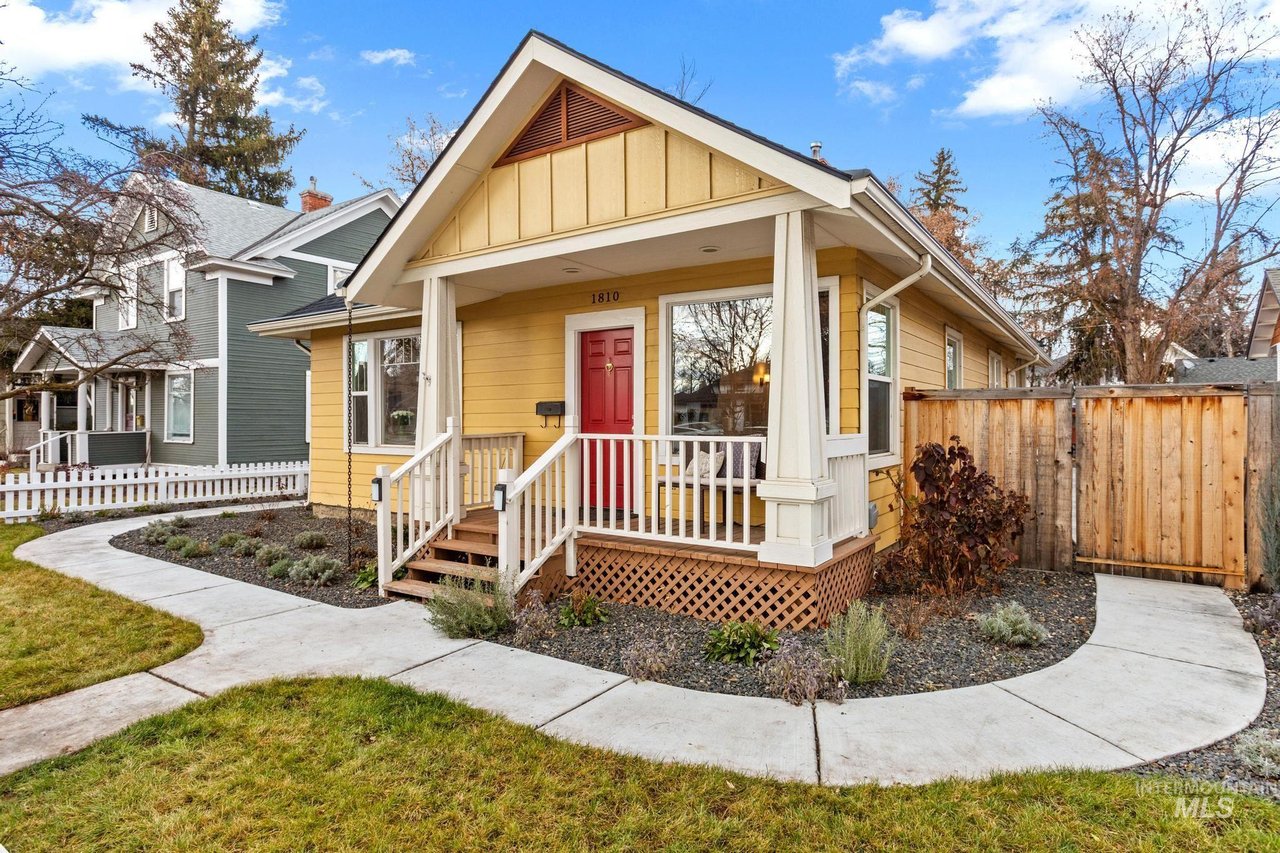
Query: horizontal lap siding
[(348, 243), (204, 449)]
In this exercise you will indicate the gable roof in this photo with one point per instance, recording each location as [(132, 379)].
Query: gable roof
[(85, 348), (1238, 369), (1265, 314)]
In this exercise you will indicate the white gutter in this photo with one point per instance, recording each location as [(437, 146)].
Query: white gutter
[(926, 264)]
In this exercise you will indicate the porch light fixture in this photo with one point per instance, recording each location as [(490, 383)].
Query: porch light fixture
[(709, 250), (375, 491)]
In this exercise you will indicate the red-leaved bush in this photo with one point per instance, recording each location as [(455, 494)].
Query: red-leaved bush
[(958, 532)]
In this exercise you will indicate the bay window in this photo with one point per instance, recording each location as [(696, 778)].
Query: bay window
[(717, 359), (179, 407), (881, 359), (383, 385)]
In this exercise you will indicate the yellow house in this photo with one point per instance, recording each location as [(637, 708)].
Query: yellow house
[(614, 342)]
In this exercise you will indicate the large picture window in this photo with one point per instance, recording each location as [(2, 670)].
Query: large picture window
[(179, 407), (882, 370), (383, 383), (719, 361)]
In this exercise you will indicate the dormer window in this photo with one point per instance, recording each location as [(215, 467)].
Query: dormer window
[(150, 219)]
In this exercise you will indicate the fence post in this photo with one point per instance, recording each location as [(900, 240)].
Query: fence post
[(385, 533)]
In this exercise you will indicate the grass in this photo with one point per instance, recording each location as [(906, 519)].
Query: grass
[(58, 633), (346, 764)]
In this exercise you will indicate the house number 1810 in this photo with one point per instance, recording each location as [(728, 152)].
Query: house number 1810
[(602, 296)]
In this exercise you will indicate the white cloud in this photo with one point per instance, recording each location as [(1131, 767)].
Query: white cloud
[(307, 96), (165, 119), (873, 90), (394, 55), (1019, 52), (322, 54), (916, 81), (93, 33), (447, 90)]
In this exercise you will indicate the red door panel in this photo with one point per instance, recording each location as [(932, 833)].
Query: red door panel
[(606, 371)]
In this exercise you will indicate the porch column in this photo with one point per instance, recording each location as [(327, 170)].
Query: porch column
[(437, 382), (82, 419), (797, 488), (46, 411)]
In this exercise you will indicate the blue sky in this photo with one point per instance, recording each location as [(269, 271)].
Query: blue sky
[(882, 85)]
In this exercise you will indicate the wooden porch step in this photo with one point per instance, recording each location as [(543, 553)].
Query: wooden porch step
[(481, 521), (457, 570), (466, 546), (421, 590)]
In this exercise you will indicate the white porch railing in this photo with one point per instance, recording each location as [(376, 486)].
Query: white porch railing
[(417, 500), (54, 448), (483, 456), (538, 512), (847, 465)]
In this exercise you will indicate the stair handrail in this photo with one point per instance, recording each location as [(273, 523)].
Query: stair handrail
[(432, 500), (524, 547)]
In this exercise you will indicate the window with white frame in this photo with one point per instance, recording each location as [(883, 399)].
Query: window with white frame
[(338, 275), (954, 358), (995, 370), (718, 355), (128, 298), (175, 290), (383, 383), (179, 407), (881, 352)]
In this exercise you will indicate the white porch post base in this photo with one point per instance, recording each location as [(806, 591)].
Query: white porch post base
[(797, 528)]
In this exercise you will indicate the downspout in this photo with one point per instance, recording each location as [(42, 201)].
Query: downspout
[(300, 345), (926, 264), (1025, 364)]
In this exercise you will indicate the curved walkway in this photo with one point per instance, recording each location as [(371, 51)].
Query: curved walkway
[(1168, 668)]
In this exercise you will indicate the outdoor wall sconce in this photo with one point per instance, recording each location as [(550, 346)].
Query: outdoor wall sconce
[(375, 490)]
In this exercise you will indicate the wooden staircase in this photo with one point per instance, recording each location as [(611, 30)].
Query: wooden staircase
[(469, 551)]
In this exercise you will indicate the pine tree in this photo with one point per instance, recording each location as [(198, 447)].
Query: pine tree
[(940, 188), (210, 75)]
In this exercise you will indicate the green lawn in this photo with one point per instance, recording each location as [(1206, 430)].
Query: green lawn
[(356, 764), (58, 633)]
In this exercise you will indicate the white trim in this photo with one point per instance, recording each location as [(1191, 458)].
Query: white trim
[(629, 232), (950, 334), (996, 377), (289, 327), (385, 200), (242, 271), (223, 354), (374, 390), (345, 270), (876, 461), (169, 266), (828, 283), (164, 435), (127, 299), (150, 218)]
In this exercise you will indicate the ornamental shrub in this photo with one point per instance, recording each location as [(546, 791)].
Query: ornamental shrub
[(193, 550), (958, 532), (799, 674), (181, 522), (533, 621), (740, 642), (1264, 618), (268, 554), (316, 570), (230, 540), (1259, 749), (366, 576), (649, 658), (310, 540), (582, 611), (858, 644), (280, 569), (1012, 625), (246, 547), (461, 611), (177, 543), (157, 532)]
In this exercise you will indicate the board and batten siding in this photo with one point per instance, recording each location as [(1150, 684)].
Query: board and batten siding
[(203, 450), (513, 357), (348, 243)]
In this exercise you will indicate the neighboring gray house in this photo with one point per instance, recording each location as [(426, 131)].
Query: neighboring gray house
[(1226, 370), (234, 397)]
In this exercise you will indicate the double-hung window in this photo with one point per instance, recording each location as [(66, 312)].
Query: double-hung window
[(995, 370), (179, 407), (954, 359), (881, 350), (175, 290), (383, 386)]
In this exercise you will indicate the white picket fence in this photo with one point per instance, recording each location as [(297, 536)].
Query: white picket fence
[(27, 496)]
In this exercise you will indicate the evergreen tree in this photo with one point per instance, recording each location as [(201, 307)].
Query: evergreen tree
[(210, 75), (940, 188)]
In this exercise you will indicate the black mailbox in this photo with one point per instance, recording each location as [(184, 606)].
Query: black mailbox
[(550, 409)]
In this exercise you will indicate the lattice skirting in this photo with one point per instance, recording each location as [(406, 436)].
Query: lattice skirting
[(715, 587)]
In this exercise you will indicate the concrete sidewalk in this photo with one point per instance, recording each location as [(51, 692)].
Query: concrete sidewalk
[(1168, 668)]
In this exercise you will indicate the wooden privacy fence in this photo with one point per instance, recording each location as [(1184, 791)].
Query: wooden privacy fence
[(1143, 480), (26, 496)]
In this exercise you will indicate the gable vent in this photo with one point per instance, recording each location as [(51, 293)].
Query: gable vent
[(569, 117)]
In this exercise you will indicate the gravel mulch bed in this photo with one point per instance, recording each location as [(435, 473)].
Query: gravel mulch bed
[(67, 520), (1218, 762), (277, 527), (949, 651)]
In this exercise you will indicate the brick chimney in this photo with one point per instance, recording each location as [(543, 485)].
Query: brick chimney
[(313, 199)]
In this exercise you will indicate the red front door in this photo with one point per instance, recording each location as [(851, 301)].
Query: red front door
[(607, 402)]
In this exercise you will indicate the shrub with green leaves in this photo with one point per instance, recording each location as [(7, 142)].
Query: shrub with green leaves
[(158, 532), (74, 518), (461, 610), (229, 540), (1259, 749), (1012, 625), (178, 542), (195, 550), (316, 570), (226, 513), (280, 569), (246, 547), (310, 540), (740, 642), (366, 576), (268, 554), (798, 674), (582, 611), (180, 522), (858, 644)]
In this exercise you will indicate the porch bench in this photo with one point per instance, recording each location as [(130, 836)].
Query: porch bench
[(729, 475)]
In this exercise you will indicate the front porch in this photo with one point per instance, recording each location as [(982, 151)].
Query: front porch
[(101, 423)]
